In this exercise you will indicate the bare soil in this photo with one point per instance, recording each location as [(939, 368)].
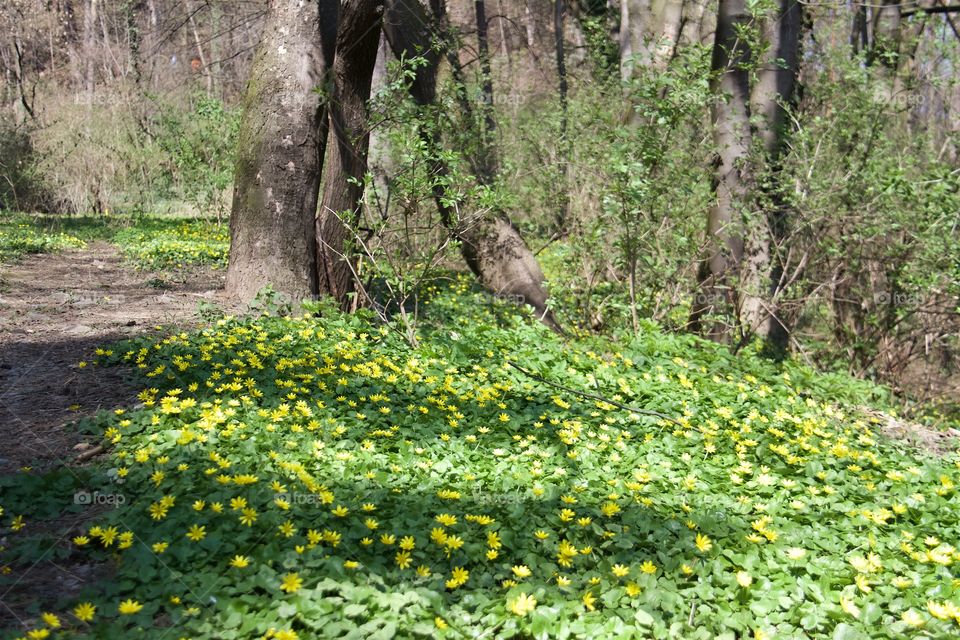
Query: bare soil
[(55, 309)]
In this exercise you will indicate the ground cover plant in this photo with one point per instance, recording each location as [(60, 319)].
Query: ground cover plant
[(147, 242), (18, 237), (288, 477)]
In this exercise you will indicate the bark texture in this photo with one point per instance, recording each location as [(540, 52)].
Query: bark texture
[(491, 246), (356, 54), (741, 272), (280, 154)]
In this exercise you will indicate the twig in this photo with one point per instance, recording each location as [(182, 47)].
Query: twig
[(646, 412), (89, 453)]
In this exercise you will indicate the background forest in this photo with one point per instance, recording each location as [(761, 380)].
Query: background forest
[(324, 232), (599, 121)]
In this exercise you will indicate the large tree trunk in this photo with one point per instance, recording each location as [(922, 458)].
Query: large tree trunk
[(280, 153), (491, 246), (356, 56)]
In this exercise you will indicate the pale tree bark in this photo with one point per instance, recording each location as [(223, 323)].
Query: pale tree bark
[(773, 90), (357, 40), (742, 270), (650, 31), (280, 153), (731, 135), (90, 21), (491, 246)]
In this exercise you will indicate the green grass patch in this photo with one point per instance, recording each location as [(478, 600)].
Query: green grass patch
[(172, 243), (317, 477), (154, 243), (20, 235)]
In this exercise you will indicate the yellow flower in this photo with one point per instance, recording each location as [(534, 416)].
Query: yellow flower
[(240, 562), (51, 620), (523, 605), (197, 533), (521, 571), (81, 541), (291, 583), (540, 534), (458, 578), (371, 523), (648, 567), (407, 543), (939, 610), (446, 519), (423, 571), (633, 589), (744, 579), (796, 553), (588, 600), (129, 607), (849, 607), (350, 564), (402, 559), (610, 509), (563, 581), (703, 543), (912, 618), (84, 611), (286, 634), (340, 511), (387, 538), (620, 571), (440, 623)]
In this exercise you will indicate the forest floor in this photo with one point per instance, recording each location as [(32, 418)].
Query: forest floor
[(55, 309)]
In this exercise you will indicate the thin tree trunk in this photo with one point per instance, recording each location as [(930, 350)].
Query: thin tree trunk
[(731, 135), (280, 153), (491, 246), (90, 20), (357, 40), (489, 165), (559, 13)]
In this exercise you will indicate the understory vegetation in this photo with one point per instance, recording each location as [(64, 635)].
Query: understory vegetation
[(286, 475), (146, 242)]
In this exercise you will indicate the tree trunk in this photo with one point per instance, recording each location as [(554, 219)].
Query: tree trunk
[(491, 246), (357, 41), (731, 135), (559, 13), (280, 153), (774, 89), (743, 268)]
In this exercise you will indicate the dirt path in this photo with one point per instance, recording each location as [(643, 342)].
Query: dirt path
[(54, 311)]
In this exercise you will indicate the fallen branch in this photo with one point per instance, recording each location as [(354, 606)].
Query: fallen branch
[(89, 453), (583, 394)]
